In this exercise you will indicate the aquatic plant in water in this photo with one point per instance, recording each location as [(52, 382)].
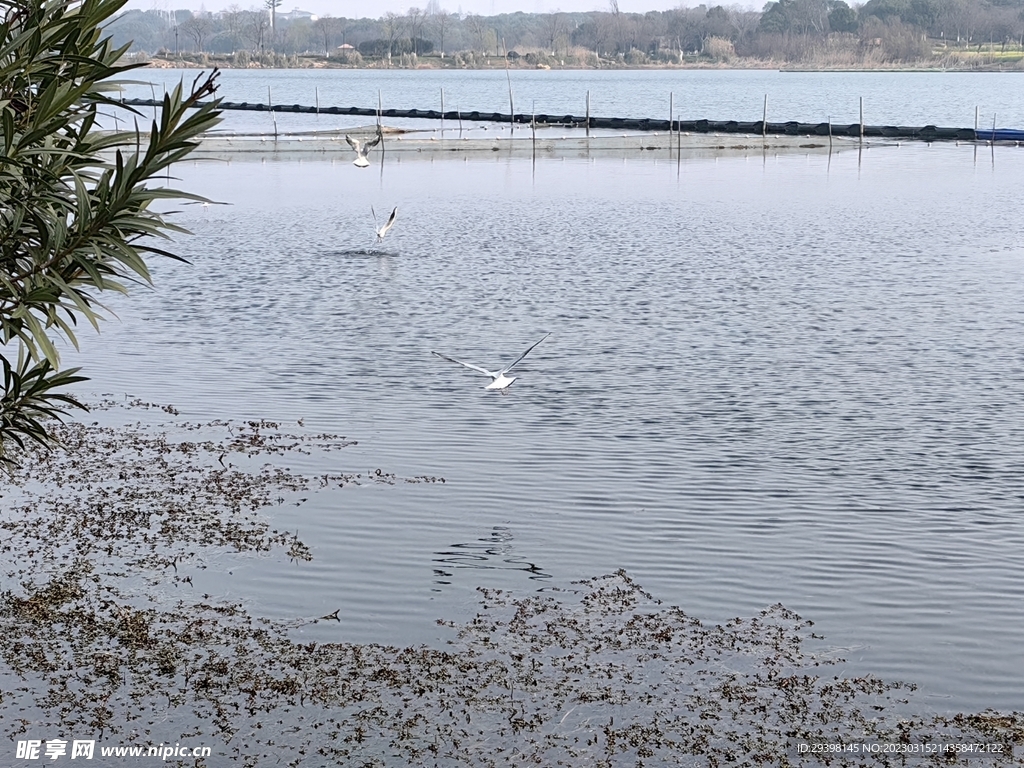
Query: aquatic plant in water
[(601, 673)]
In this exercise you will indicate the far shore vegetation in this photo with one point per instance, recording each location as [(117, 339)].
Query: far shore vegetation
[(799, 34)]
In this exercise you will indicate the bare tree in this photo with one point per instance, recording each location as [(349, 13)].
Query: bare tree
[(416, 18), (254, 28), (961, 17), (593, 33), (198, 28), (232, 17), (328, 28), (556, 25), (441, 20), (478, 28), (809, 17), (391, 25), (745, 23), (622, 35)]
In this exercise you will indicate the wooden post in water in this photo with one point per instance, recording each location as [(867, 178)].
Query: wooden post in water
[(671, 112), (533, 131), (992, 143), (976, 122), (679, 149), (764, 119), (380, 128), (442, 113), (270, 106), (588, 114), (862, 119), (511, 106), (830, 135), (316, 90)]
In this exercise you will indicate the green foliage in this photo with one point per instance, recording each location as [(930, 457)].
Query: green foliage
[(775, 18), (30, 398), (842, 18), (920, 13), (75, 217)]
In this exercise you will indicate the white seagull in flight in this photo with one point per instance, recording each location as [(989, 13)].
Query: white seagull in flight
[(381, 231), (499, 381), (362, 149)]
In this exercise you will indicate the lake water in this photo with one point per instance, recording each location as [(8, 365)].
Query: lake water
[(890, 98), (790, 379)]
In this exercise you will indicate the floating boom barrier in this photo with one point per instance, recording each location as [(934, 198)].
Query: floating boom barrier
[(791, 128)]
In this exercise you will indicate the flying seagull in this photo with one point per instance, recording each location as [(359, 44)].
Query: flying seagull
[(362, 149), (499, 381), (381, 231)]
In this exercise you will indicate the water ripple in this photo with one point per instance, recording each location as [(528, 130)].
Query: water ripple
[(779, 381)]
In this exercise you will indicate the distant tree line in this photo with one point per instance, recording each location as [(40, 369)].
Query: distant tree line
[(829, 31)]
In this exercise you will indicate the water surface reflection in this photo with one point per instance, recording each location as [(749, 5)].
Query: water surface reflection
[(494, 552), (769, 380)]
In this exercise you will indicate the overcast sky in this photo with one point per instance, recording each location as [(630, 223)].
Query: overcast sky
[(376, 8)]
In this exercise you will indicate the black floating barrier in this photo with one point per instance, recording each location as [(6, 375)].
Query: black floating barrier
[(790, 128)]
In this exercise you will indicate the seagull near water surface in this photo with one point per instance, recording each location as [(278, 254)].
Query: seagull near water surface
[(381, 231), (362, 149), (500, 381)]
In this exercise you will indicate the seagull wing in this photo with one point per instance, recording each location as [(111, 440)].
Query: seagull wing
[(354, 143), (508, 368), (371, 144), (471, 367), (391, 220)]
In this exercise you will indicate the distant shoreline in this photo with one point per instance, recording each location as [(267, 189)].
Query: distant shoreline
[(182, 63)]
